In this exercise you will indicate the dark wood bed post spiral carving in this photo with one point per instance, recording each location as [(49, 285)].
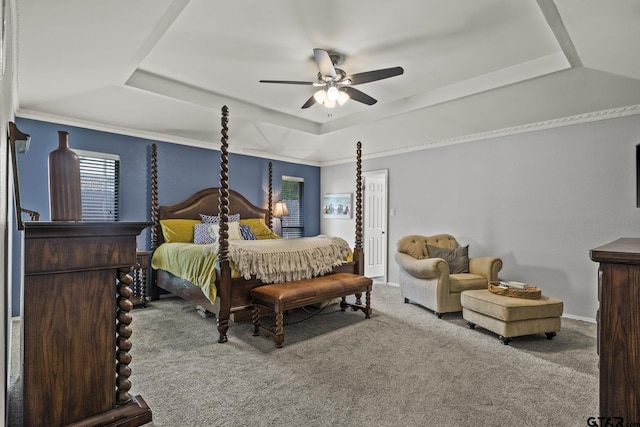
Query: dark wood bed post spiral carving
[(223, 242), (270, 212), (358, 253), (154, 196), (123, 333)]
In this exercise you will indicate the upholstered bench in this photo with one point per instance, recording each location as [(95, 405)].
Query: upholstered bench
[(511, 317), (280, 297)]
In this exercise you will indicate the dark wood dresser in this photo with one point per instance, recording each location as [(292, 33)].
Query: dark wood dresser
[(75, 324), (619, 328)]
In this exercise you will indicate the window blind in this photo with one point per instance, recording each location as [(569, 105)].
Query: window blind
[(99, 184), (293, 197)]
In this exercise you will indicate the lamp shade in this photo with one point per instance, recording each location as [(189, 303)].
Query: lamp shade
[(280, 209), (320, 96), (343, 97)]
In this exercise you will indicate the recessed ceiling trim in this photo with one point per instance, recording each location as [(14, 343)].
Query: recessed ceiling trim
[(551, 14), (160, 85), (171, 14), (518, 73)]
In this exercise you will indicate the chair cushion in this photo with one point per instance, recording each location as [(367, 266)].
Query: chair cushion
[(466, 281), (458, 258)]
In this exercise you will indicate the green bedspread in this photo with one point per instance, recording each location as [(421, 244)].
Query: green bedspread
[(188, 261)]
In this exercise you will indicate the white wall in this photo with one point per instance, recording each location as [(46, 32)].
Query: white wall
[(8, 105), (539, 200)]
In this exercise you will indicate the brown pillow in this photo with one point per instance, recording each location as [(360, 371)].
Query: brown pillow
[(458, 258)]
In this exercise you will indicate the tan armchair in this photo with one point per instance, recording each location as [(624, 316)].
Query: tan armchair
[(427, 281)]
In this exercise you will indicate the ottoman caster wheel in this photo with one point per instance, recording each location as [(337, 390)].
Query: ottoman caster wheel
[(471, 325), (550, 335), (505, 340)]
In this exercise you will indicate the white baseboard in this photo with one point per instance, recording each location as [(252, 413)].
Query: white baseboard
[(585, 319), (568, 316)]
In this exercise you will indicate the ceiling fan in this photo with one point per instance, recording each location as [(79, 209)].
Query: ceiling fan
[(336, 86)]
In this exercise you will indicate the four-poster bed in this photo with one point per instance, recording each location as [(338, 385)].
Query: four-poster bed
[(229, 290)]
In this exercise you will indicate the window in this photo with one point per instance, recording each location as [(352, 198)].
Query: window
[(99, 183), (293, 197)]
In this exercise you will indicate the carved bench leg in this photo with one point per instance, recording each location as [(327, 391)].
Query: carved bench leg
[(343, 303), (256, 321), (367, 300), (279, 337), (358, 296)]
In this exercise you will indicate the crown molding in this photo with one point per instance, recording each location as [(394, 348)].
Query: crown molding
[(595, 116), (152, 136)]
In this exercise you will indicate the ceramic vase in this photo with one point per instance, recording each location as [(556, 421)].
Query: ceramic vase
[(65, 199)]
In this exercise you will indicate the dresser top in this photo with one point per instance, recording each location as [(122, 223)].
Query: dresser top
[(623, 250), (38, 229)]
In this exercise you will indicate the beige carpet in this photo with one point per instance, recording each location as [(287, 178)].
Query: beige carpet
[(404, 366)]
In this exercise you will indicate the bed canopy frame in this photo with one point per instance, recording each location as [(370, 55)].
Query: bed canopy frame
[(233, 293)]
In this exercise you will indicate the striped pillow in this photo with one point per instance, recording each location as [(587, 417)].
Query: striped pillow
[(247, 232)]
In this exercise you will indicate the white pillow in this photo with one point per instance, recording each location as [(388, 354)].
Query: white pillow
[(234, 230)]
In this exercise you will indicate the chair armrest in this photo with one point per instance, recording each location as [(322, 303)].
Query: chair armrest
[(486, 266), (427, 268)]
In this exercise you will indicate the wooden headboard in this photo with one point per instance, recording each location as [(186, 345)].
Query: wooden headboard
[(206, 202)]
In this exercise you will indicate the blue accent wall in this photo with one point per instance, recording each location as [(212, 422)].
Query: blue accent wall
[(182, 170)]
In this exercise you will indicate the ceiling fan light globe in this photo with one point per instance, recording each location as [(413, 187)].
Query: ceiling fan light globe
[(332, 93), (342, 97), (330, 103), (320, 96)]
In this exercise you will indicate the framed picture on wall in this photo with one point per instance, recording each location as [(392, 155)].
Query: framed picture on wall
[(338, 206)]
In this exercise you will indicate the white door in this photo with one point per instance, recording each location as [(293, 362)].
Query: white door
[(375, 223)]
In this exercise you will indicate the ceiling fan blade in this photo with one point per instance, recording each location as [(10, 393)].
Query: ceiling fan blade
[(309, 102), (325, 65), (359, 96), (287, 82), (372, 76)]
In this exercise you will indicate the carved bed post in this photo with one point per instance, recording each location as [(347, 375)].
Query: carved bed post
[(358, 253), (223, 242), (154, 291), (270, 212), (154, 196)]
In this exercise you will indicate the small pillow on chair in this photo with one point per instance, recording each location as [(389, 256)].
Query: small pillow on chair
[(458, 258)]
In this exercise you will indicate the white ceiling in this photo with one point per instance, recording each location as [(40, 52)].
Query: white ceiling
[(163, 68)]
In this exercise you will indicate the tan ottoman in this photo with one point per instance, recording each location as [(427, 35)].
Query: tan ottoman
[(511, 317)]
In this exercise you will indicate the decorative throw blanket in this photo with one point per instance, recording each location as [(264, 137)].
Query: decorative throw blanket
[(283, 260)]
